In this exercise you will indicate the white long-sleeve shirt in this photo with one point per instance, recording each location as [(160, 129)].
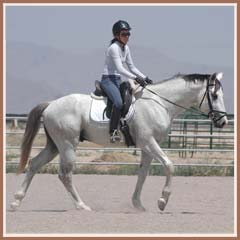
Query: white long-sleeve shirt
[(115, 58)]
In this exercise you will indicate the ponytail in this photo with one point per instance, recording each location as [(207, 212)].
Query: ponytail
[(113, 41), (116, 40)]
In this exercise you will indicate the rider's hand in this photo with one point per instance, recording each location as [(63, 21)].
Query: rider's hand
[(148, 80), (140, 81)]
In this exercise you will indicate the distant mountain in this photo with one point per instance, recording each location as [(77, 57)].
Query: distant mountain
[(39, 73)]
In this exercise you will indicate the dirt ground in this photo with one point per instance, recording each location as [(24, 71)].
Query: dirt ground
[(198, 205)]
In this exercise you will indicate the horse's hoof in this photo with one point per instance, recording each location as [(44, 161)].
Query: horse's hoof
[(138, 206), (161, 204), (14, 206), (87, 208), (141, 208), (84, 207)]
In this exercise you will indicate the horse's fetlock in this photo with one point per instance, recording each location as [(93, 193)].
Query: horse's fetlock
[(166, 194), (135, 201), (19, 195)]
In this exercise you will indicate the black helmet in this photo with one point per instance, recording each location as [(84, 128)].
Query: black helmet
[(119, 26)]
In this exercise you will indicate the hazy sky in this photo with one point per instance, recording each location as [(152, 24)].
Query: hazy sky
[(193, 34)]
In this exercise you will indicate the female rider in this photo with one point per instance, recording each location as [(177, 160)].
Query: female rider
[(118, 53)]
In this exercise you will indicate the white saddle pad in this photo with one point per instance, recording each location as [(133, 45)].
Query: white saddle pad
[(97, 109)]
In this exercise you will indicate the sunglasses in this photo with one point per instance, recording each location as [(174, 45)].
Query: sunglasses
[(125, 34)]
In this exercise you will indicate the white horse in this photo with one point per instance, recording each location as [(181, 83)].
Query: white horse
[(66, 120)]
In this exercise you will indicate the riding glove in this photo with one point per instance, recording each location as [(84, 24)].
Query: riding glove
[(140, 81), (148, 80)]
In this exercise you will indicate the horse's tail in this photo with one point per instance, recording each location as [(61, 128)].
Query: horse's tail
[(32, 127)]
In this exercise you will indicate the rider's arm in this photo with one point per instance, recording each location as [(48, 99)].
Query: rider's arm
[(118, 63), (131, 66)]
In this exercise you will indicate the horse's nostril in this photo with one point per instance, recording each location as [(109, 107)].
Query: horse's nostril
[(224, 123), (219, 125)]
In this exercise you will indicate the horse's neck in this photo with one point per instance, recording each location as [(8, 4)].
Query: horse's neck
[(179, 91)]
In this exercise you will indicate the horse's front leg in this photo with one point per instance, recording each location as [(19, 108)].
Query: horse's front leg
[(142, 174), (154, 150)]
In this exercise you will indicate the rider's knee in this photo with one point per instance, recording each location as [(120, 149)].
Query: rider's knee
[(118, 104)]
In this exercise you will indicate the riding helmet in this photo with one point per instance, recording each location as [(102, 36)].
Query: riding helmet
[(119, 26)]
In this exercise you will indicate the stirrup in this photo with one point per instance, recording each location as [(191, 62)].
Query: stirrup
[(115, 136)]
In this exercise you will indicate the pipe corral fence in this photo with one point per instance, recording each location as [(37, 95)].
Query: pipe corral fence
[(188, 137)]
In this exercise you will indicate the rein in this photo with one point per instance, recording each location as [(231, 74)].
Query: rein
[(194, 110), (188, 109)]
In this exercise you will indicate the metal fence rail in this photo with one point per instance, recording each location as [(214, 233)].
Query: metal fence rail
[(229, 136), (137, 163), (174, 120), (102, 149), (183, 138)]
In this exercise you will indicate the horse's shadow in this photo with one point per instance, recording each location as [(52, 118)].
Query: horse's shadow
[(135, 212), (183, 212), (39, 210), (109, 211)]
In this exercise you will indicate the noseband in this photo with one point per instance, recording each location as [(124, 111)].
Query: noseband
[(212, 112)]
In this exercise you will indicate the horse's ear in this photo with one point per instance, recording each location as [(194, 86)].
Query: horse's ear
[(219, 76), (213, 76)]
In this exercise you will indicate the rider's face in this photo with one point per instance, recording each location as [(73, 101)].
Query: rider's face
[(124, 36)]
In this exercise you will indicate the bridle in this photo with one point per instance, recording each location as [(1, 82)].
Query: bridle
[(213, 113)]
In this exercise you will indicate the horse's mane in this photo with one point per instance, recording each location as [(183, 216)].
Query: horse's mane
[(187, 77), (194, 76)]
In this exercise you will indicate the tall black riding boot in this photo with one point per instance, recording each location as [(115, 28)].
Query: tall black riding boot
[(114, 121)]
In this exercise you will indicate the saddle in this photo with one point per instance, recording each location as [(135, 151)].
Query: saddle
[(126, 94)]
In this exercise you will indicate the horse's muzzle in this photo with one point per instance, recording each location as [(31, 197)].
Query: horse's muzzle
[(220, 122)]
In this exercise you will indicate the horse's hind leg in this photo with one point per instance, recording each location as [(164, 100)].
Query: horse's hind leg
[(45, 156), (146, 160), (65, 175)]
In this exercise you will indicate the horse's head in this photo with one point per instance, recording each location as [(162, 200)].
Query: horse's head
[(212, 101)]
